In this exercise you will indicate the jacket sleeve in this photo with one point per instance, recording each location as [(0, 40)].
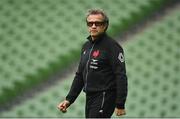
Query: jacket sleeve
[(118, 66), (76, 86)]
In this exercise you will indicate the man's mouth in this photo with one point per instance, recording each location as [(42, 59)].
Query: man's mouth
[(93, 31)]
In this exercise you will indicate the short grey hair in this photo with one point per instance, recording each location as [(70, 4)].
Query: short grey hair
[(98, 11)]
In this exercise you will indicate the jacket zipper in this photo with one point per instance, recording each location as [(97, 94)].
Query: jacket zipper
[(87, 66), (102, 104)]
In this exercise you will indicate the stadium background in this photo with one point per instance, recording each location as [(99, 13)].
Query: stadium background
[(40, 41)]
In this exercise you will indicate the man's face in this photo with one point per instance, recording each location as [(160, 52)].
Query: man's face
[(96, 24)]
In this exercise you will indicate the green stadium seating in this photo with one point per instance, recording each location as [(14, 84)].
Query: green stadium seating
[(39, 38), (152, 66), (45, 104)]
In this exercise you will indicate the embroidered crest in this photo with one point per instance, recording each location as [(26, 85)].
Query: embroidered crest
[(96, 53)]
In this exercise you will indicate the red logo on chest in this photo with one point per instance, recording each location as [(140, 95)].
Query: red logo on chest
[(96, 53)]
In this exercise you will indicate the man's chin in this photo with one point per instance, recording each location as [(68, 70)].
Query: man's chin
[(94, 35)]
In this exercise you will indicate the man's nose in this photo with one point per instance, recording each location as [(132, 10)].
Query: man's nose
[(93, 26)]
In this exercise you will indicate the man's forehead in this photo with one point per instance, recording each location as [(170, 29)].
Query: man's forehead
[(93, 17)]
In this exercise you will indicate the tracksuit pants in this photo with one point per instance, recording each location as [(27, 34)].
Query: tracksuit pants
[(100, 104)]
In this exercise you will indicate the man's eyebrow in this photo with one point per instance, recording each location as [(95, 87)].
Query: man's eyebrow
[(95, 21)]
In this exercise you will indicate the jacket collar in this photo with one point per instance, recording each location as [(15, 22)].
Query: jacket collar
[(99, 38)]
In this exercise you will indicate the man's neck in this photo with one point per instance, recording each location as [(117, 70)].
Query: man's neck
[(94, 38)]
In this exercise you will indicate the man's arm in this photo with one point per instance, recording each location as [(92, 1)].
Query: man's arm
[(76, 86), (75, 90), (119, 69)]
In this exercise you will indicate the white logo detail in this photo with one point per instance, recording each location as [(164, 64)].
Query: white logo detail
[(84, 52), (93, 67), (95, 63), (94, 60), (121, 57)]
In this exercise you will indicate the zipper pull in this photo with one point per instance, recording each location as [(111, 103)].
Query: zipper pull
[(101, 111)]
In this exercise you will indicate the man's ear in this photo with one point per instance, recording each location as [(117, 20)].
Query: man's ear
[(105, 27)]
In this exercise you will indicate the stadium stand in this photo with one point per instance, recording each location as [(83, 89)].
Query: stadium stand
[(34, 42), (152, 65)]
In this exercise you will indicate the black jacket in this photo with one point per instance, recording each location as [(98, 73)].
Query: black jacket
[(101, 68)]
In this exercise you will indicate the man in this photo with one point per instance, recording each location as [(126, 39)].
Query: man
[(101, 72)]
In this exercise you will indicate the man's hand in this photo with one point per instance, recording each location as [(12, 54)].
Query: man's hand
[(63, 106), (120, 112)]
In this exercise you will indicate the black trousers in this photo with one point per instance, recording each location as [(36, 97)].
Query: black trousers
[(100, 104)]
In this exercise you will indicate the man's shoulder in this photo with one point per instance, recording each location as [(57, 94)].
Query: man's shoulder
[(85, 44), (112, 42)]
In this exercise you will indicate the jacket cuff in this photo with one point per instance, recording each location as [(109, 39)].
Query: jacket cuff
[(120, 106), (70, 100)]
